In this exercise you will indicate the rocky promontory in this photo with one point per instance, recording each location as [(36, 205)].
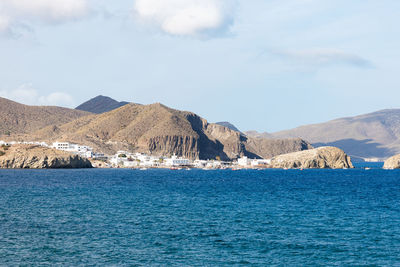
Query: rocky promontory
[(392, 163), (318, 158), (36, 157)]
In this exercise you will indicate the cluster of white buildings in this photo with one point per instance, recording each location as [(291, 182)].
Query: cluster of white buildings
[(81, 150), (140, 160), (132, 160), (126, 159), (246, 162)]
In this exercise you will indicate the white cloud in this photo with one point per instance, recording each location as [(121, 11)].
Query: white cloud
[(325, 57), (4, 23), (57, 99), (186, 17), (16, 11), (26, 94)]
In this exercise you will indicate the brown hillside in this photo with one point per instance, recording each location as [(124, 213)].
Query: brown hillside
[(268, 148), (17, 118)]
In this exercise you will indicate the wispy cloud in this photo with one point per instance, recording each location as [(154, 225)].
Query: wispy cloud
[(325, 57), (49, 11), (187, 17), (26, 94)]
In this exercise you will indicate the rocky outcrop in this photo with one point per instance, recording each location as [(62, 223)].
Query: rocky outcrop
[(392, 163), (35, 157), (318, 158)]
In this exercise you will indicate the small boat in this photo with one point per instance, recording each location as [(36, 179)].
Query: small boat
[(143, 169), (367, 168)]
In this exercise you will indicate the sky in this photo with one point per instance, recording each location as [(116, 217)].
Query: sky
[(264, 65)]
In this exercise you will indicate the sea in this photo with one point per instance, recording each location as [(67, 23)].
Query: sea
[(123, 217)]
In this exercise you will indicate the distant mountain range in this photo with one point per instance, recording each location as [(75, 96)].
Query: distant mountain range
[(373, 135), (109, 125), (152, 129), (100, 104)]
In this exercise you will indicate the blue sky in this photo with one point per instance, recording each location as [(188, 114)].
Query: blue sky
[(263, 65)]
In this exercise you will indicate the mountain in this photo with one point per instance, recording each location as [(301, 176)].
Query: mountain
[(259, 135), (268, 148), (373, 135), (17, 118), (228, 125), (100, 104), (160, 130)]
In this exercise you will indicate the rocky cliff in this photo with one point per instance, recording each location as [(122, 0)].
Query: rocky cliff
[(35, 157), (319, 158), (392, 163)]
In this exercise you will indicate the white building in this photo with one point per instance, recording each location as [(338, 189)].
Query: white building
[(81, 150), (175, 161), (244, 161), (260, 162), (200, 163), (61, 146), (130, 163), (99, 156), (116, 160)]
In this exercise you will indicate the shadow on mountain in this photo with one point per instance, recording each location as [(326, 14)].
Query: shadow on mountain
[(208, 149), (360, 148)]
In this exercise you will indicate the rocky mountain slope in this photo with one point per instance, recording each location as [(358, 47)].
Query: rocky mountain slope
[(228, 125), (267, 148), (258, 135), (157, 129), (17, 118), (319, 158), (100, 104), (374, 135), (35, 157)]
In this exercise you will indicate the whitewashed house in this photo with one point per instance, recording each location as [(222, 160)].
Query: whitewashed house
[(174, 161), (244, 161), (260, 162), (61, 146), (130, 163)]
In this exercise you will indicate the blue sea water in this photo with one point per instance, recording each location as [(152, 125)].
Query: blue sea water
[(199, 218)]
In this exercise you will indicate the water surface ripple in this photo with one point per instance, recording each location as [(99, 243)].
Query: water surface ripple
[(162, 217)]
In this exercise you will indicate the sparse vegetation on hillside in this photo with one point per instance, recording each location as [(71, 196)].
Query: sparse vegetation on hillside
[(19, 119)]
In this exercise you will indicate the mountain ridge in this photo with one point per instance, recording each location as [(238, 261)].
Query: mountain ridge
[(100, 104), (371, 135), (16, 118)]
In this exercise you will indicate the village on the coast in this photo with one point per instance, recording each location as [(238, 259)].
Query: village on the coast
[(127, 159)]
